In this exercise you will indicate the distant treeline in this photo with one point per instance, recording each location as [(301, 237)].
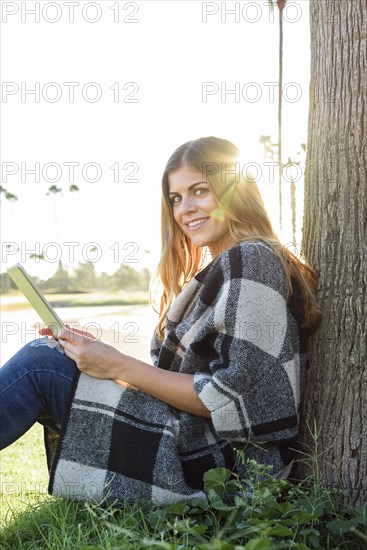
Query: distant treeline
[(84, 279)]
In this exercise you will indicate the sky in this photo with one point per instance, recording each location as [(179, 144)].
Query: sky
[(99, 94)]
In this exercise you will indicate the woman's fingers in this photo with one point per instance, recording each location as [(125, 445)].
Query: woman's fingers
[(71, 336), (81, 332), (76, 337), (45, 331), (68, 334), (68, 348), (75, 349)]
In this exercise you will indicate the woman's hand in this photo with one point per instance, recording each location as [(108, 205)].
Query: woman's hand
[(92, 356), (46, 331), (104, 361)]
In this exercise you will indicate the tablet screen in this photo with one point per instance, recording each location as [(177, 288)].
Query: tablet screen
[(36, 298)]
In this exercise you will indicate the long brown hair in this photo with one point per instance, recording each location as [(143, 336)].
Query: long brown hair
[(240, 202)]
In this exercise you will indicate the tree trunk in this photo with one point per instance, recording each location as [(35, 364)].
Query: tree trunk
[(335, 243)]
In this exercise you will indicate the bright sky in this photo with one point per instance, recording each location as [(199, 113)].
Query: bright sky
[(124, 91)]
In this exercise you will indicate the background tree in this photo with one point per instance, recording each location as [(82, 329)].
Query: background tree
[(334, 242), (7, 194), (84, 276), (126, 277), (59, 282), (280, 4)]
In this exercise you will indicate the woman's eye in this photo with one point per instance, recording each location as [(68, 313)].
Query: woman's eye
[(200, 190), (175, 199)]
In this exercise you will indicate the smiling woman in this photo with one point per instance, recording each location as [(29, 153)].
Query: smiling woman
[(204, 183), (229, 354)]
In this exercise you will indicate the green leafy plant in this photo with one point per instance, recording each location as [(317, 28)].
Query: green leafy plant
[(258, 512)]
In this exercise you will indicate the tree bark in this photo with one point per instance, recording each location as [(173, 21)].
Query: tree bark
[(335, 244)]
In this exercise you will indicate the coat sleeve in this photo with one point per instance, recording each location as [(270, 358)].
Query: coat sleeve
[(252, 385)]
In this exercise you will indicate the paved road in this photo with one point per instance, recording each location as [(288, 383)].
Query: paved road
[(129, 328)]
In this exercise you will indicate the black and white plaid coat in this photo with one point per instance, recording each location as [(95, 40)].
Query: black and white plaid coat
[(233, 330)]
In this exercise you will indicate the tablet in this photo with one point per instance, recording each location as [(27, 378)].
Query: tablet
[(36, 298)]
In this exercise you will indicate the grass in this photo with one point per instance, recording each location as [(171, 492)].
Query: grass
[(24, 475), (90, 299), (259, 513)]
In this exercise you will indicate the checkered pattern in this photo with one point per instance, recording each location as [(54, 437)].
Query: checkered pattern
[(233, 330)]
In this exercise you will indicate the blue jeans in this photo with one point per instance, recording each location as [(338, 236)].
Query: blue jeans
[(36, 381)]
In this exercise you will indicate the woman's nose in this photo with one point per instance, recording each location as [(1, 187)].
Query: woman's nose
[(188, 204)]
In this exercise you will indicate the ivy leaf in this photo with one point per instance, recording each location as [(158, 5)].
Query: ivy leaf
[(200, 504), (216, 480), (304, 517), (199, 529), (156, 518), (177, 508), (217, 503), (258, 544), (341, 526), (280, 531)]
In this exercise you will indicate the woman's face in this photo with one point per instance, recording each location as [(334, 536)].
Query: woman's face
[(193, 205)]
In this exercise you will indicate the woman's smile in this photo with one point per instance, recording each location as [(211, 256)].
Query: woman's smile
[(197, 224)]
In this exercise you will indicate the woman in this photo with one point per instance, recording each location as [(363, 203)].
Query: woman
[(229, 353)]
